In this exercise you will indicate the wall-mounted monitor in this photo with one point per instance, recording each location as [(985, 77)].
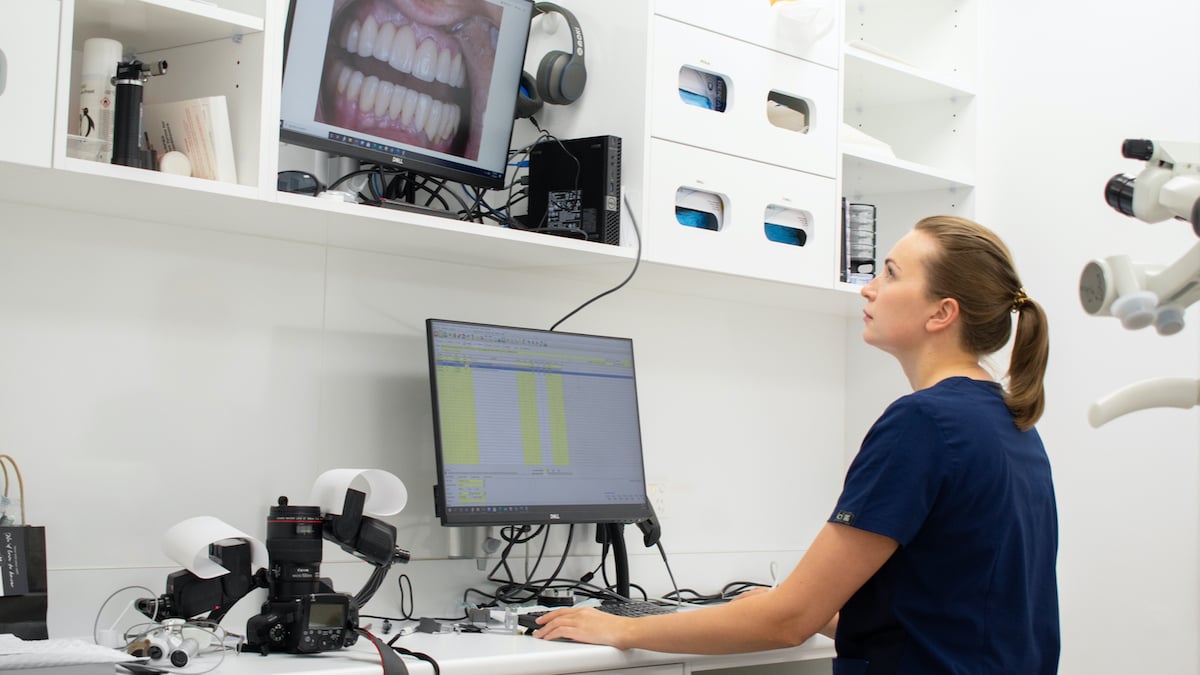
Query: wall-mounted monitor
[(428, 86), (534, 426)]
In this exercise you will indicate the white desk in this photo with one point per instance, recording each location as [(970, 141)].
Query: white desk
[(502, 654)]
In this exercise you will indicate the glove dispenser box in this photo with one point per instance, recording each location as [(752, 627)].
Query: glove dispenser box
[(756, 82), (808, 29), (737, 240)]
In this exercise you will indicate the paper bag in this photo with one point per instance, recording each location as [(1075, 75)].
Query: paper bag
[(23, 581)]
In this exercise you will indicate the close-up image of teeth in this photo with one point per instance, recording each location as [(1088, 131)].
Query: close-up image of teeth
[(413, 71)]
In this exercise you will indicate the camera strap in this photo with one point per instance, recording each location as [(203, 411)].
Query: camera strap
[(388, 658)]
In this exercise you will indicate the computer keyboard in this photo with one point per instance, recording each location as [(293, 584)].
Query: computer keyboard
[(632, 608), (635, 608)]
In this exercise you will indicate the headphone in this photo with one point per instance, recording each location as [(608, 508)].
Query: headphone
[(561, 75)]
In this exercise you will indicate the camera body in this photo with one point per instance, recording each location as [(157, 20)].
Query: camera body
[(317, 622), (302, 614)]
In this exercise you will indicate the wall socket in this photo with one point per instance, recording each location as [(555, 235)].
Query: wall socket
[(657, 492)]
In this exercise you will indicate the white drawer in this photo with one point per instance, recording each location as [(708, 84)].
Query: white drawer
[(752, 74), (28, 63), (808, 29), (747, 189)]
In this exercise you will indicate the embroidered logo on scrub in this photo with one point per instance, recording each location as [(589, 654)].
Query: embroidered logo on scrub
[(844, 517)]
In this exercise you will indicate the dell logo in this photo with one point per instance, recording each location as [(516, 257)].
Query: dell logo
[(398, 160), (555, 516)]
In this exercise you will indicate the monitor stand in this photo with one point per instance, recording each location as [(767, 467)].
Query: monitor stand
[(401, 205), (615, 534)]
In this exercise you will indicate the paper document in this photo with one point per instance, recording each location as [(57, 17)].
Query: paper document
[(18, 653)]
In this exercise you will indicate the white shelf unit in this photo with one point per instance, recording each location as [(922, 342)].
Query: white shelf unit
[(909, 72), (226, 49), (636, 52), (234, 48)]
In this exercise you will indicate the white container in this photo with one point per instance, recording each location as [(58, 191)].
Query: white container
[(752, 76), (748, 193), (97, 94)]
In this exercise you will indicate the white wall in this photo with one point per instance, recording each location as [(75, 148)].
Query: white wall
[(153, 372), (1063, 85)]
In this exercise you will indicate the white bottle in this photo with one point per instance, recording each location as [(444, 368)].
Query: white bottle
[(97, 94)]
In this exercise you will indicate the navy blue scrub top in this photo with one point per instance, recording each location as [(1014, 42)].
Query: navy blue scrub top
[(972, 589)]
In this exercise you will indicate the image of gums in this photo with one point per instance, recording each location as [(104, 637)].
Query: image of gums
[(413, 71)]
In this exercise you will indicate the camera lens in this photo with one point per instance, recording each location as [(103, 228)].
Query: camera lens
[(294, 547), (1119, 193)]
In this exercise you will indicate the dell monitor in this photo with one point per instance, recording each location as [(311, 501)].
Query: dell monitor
[(428, 86), (534, 426)]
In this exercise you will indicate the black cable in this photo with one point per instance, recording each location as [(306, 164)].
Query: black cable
[(667, 564), (372, 586), (406, 613), (728, 592), (348, 176), (417, 655), (637, 261), (507, 593)]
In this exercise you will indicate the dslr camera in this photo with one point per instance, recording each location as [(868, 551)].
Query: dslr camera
[(303, 614)]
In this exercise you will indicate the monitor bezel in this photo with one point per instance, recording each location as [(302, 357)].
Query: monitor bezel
[(423, 164), (533, 514)]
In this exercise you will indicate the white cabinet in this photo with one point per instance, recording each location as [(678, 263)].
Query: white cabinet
[(695, 90), (902, 74), (229, 49), (752, 73), (28, 60), (909, 109)]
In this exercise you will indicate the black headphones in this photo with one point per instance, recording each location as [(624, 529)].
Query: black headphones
[(561, 75)]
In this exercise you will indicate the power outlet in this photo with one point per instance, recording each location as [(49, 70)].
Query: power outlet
[(657, 492)]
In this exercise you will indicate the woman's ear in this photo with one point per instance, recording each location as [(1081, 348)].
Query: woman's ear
[(944, 315)]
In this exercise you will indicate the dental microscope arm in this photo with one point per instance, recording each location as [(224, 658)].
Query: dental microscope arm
[(1174, 392), (1140, 295)]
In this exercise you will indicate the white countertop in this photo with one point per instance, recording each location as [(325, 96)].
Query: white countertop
[(499, 654)]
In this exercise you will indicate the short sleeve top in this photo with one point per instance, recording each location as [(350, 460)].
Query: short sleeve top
[(969, 497)]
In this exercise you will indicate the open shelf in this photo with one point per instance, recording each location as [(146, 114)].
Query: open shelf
[(866, 172), (873, 79), (153, 25), (172, 200)]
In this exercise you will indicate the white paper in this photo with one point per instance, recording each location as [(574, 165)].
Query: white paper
[(187, 544), (386, 494), (18, 653)]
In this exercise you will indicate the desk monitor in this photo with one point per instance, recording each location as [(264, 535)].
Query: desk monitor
[(427, 86), (534, 426)]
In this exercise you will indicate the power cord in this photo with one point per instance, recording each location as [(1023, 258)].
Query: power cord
[(6, 519), (636, 262)]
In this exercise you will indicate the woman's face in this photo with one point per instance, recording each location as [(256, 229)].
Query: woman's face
[(898, 302), (413, 71)]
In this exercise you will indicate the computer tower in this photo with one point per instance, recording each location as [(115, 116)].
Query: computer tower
[(575, 188)]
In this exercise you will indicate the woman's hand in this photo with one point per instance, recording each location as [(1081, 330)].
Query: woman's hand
[(584, 624)]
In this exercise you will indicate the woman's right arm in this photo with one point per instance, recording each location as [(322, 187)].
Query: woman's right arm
[(839, 562)]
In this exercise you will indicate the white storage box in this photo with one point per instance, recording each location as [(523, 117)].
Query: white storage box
[(809, 29), (747, 189), (752, 75)]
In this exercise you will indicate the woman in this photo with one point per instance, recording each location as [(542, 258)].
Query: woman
[(939, 556)]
